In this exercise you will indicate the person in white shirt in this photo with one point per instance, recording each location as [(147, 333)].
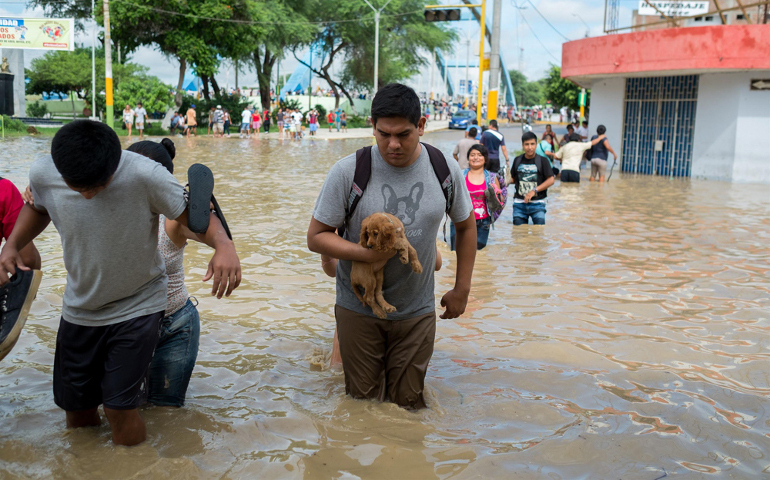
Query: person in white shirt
[(128, 118), (571, 156), (245, 122), (140, 113), (298, 122), (583, 131)]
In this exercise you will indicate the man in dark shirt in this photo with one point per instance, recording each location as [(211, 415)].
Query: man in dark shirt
[(495, 142), (532, 175)]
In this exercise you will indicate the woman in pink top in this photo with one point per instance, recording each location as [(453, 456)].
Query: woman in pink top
[(478, 182)]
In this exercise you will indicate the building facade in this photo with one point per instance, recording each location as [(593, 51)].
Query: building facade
[(681, 102)]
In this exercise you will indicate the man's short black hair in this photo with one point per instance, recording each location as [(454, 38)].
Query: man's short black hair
[(585, 123), (601, 129), (528, 136), (570, 127), (396, 100), (493, 123), (574, 137), (86, 153), (474, 122), (473, 132)]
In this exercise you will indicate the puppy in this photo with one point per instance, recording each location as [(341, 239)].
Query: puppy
[(382, 232)]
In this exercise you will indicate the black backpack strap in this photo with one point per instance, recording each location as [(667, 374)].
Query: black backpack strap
[(360, 181), (441, 169)]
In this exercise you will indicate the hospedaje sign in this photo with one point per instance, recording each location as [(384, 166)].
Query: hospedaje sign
[(37, 33), (673, 8)]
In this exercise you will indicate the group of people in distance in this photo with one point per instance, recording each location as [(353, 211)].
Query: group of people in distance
[(125, 297)]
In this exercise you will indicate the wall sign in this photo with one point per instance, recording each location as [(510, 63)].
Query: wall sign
[(673, 8)]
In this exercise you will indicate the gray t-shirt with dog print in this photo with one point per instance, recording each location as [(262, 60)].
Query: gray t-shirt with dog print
[(412, 194)]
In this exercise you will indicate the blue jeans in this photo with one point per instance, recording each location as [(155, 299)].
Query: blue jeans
[(522, 212), (174, 358), (482, 233)]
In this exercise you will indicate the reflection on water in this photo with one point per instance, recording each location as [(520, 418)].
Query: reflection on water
[(626, 338)]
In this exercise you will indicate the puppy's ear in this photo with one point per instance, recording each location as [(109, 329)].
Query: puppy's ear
[(364, 237)]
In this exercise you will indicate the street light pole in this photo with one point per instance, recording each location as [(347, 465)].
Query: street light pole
[(93, 63), (481, 61), (108, 64), (376, 42), (494, 62)]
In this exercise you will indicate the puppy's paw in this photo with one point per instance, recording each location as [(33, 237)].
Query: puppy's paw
[(389, 308), (416, 267)]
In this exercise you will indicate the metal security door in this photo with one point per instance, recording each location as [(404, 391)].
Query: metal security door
[(659, 125)]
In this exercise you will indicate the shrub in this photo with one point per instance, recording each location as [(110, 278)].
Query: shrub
[(13, 125), (37, 109)]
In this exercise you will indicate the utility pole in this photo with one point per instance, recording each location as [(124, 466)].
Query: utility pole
[(467, 67), (482, 26), (94, 113), (376, 43), (494, 62), (108, 64)]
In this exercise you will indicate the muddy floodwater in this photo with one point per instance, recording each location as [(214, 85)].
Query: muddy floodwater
[(628, 338)]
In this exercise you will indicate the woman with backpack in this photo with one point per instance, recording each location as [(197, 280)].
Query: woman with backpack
[(488, 195)]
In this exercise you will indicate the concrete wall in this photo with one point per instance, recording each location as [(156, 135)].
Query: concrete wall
[(732, 128), (607, 101)]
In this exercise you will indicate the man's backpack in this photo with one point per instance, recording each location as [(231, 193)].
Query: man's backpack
[(364, 171)]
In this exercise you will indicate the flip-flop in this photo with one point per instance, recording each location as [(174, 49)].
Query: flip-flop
[(200, 181), (218, 212), (15, 301)]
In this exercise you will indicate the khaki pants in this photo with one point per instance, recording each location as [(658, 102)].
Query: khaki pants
[(386, 359), (598, 167)]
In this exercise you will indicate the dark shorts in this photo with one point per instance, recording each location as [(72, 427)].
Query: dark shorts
[(104, 365), (493, 165), (174, 359), (570, 176), (385, 359)]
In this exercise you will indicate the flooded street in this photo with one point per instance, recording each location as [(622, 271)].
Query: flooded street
[(628, 338)]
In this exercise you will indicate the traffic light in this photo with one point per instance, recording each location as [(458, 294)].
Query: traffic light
[(442, 15)]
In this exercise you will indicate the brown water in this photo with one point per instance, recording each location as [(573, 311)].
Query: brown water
[(628, 338)]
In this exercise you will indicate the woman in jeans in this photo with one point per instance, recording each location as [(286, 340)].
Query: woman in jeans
[(177, 349), (478, 181)]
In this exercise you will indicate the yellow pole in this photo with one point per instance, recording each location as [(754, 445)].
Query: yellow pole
[(482, 24)]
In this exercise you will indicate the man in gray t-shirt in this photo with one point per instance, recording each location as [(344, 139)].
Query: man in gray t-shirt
[(105, 204), (388, 358)]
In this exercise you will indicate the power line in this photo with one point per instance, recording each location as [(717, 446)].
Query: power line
[(546, 21), (535, 35)]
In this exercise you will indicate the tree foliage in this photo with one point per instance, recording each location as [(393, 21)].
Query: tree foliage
[(404, 37), (560, 91), (527, 93)]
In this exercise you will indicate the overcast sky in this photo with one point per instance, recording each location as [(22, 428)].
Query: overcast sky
[(522, 49)]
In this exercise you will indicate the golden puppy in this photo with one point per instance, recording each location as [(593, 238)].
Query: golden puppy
[(382, 232)]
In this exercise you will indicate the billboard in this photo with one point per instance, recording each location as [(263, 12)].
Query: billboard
[(37, 33), (673, 8)]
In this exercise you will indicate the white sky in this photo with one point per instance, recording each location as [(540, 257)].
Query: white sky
[(534, 60)]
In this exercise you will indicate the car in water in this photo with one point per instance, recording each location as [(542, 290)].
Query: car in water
[(461, 119)]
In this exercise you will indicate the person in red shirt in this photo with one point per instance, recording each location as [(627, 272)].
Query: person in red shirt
[(10, 206), (330, 120), (17, 294)]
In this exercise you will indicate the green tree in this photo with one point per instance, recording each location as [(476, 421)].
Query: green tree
[(346, 31), (560, 91), (527, 93), (61, 73), (150, 91)]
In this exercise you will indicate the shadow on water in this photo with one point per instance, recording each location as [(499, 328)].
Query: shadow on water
[(626, 338)]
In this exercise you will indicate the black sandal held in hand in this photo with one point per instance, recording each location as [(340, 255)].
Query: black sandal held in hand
[(200, 182), (221, 216)]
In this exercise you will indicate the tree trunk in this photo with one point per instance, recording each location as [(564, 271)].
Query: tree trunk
[(72, 100), (215, 86), (264, 68), (205, 82), (180, 84)]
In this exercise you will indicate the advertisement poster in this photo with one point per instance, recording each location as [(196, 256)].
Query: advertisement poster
[(37, 33)]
